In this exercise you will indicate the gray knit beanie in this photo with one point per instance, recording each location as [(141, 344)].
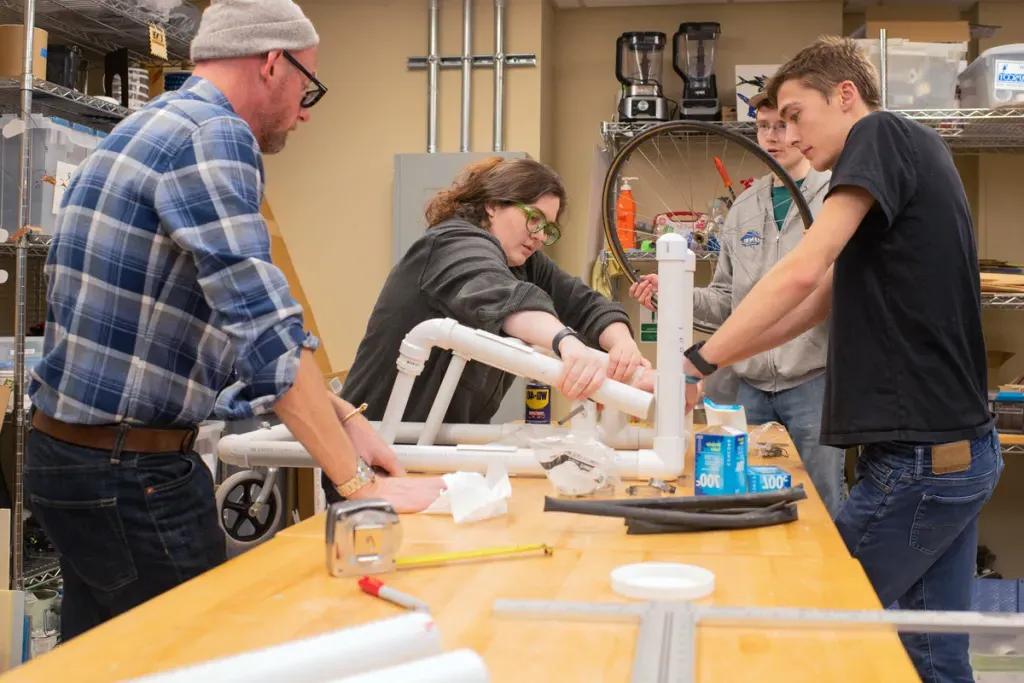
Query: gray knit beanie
[(242, 28)]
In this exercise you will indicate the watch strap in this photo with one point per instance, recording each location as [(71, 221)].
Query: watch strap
[(694, 356), (364, 476), (562, 334)]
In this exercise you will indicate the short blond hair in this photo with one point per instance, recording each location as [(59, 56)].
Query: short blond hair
[(826, 63)]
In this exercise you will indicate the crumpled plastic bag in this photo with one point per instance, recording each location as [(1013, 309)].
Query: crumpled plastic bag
[(577, 464)]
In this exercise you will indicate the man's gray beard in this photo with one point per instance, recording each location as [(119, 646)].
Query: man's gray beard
[(273, 143)]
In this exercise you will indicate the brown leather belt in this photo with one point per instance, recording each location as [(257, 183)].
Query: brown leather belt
[(104, 437)]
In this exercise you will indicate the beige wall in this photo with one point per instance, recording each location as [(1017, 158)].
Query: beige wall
[(331, 188)]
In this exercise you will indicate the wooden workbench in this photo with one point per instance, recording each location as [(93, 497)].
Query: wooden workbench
[(281, 591)]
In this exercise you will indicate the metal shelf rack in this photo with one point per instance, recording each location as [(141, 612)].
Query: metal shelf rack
[(967, 131), (50, 99), (103, 26), (99, 26)]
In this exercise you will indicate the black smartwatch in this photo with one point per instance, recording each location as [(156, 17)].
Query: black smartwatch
[(692, 354), (565, 332)]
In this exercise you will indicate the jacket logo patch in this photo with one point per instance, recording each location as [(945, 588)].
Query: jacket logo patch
[(751, 239)]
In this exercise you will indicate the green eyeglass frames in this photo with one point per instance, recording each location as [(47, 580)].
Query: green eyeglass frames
[(536, 222)]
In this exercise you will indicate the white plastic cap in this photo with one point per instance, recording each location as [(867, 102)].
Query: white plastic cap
[(662, 581)]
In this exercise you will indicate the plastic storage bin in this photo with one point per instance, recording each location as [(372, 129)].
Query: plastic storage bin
[(921, 75), (995, 79), (52, 142)]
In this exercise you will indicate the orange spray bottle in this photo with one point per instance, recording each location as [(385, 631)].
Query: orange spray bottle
[(625, 216)]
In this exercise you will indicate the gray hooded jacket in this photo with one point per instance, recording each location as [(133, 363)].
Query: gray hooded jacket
[(750, 246)]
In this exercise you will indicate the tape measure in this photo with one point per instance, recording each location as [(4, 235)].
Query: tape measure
[(666, 644)]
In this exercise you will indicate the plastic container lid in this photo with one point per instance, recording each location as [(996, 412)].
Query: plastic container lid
[(662, 581)]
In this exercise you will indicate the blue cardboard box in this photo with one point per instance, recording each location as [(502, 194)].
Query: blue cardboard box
[(762, 478), (721, 462)]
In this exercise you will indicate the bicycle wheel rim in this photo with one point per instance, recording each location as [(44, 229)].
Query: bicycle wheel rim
[(610, 194)]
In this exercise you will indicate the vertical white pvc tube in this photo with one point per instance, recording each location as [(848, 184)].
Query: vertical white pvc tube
[(676, 264), (396, 406), (443, 399)]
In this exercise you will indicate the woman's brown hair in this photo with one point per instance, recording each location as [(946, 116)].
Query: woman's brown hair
[(491, 181)]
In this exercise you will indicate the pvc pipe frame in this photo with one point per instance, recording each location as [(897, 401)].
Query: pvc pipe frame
[(636, 459)]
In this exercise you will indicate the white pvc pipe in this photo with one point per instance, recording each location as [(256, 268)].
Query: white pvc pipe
[(676, 264), (630, 464), (509, 355), (443, 399), (319, 659), (396, 404), (460, 666), (612, 430)]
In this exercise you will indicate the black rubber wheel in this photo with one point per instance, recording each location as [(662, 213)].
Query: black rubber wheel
[(609, 196)]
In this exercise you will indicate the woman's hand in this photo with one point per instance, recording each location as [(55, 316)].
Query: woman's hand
[(583, 370), (624, 359), (644, 289)]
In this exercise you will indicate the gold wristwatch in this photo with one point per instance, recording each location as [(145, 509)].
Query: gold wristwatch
[(364, 476)]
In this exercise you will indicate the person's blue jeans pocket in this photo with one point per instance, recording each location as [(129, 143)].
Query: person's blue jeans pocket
[(916, 535)]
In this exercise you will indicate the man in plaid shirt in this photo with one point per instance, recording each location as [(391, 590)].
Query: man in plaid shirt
[(164, 307)]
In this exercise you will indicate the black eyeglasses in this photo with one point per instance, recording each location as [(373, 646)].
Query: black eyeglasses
[(315, 90)]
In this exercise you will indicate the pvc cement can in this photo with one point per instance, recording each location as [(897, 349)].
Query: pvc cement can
[(538, 403)]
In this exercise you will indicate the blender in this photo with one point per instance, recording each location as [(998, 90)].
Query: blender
[(694, 61), (638, 67)]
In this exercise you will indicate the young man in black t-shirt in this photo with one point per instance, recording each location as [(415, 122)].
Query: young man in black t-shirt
[(892, 255)]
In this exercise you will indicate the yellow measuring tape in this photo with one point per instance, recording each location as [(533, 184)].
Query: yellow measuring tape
[(445, 558)]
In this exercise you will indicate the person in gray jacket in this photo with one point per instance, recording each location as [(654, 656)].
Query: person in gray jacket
[(786, 384), (480, 264)]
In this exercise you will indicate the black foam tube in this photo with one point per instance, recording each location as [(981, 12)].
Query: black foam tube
[(635, 527), (671, 517)]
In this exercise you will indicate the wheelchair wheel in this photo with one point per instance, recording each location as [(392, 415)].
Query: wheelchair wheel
[(235, 497)]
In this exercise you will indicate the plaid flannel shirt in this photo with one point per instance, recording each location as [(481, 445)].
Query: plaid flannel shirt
[(163, 304)]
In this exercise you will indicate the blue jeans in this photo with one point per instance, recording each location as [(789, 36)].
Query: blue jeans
[(916, 535), (799, 410), (128, 526)]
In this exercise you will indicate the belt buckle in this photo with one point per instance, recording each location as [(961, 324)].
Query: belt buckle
[(190, 440)]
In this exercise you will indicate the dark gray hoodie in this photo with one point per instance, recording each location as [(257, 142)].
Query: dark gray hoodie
[(458, 270)]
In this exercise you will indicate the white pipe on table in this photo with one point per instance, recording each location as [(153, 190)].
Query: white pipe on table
[(676, 264), (319, 659), (627, 437), (443, 399), (631, 464), (509, 355), (459, 666)]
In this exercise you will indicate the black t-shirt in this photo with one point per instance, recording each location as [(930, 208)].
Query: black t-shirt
[(906, 357)]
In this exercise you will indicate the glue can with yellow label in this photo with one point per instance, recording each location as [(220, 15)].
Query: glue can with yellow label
[(538, 403)]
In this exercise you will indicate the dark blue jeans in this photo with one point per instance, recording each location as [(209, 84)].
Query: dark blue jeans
[(799, 410), (128, 526), (916, 535)]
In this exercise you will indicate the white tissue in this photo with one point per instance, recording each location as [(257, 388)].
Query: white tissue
[(471, 497)]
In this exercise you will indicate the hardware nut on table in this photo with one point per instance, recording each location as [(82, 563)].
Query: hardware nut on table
[(363, 537)]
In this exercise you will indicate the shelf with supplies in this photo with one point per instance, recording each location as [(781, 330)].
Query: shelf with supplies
[(33, 250), (967, 131), (103, 26), (41, 571), (992, 301), (49, 99)]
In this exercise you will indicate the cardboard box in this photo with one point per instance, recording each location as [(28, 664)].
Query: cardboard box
[(12, 51), (720, 466), (764, 478)]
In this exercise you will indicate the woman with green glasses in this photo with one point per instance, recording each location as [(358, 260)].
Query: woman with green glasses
[(480, 263)]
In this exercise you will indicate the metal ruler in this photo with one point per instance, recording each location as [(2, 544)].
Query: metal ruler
[(666, 644)]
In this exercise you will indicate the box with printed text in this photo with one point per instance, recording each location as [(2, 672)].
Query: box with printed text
[(721, 462)]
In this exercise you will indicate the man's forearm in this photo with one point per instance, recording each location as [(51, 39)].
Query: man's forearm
[(307, 412), (782, 289), (813, 310)]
